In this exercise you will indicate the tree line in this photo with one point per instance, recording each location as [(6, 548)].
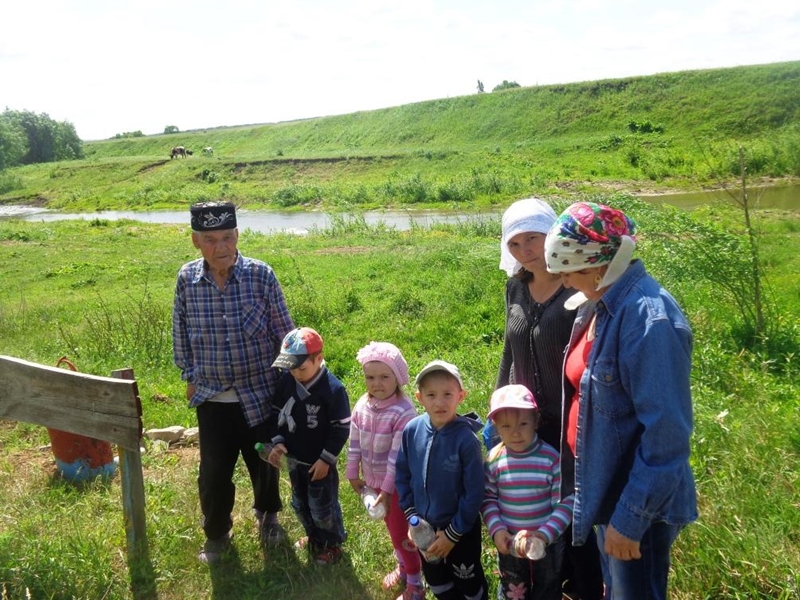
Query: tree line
[(27, 137)]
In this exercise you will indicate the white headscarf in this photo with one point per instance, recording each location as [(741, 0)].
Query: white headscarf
[(528, 215)]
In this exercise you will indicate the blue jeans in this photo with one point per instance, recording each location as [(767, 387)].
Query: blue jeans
[(644, 578), (316, 504)]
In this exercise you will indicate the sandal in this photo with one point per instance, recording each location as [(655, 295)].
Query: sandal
[(395, 578)]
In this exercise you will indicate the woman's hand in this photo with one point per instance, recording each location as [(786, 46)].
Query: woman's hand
[(620, 547)]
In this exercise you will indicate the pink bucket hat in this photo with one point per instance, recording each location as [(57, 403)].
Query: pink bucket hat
[(512, 396), (388, 354)]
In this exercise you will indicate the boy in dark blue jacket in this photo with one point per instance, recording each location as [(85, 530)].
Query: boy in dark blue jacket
[(439, 470), (311, 413)]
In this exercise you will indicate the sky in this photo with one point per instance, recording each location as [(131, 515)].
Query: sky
[(114, 66)]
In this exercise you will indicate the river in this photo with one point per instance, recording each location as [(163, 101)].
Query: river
[(784, 198)]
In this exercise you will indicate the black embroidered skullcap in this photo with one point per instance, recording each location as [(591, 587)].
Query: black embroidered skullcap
[(211, 216)]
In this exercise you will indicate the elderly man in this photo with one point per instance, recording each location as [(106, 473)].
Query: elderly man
[(229, 318)]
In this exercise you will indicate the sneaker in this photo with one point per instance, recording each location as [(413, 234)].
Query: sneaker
[(329, 556), (214, 549), (270, 533), (393, 579), (413, 592)]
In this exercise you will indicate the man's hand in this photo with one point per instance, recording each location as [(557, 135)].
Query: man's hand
[(620, 547), (319, 470), (189, 391)]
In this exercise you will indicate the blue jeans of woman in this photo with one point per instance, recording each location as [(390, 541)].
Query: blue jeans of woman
[(644, 578)]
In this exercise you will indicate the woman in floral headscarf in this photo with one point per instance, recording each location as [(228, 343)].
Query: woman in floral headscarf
[(629, 421)]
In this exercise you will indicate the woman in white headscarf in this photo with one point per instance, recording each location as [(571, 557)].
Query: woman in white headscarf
[(537, 331)]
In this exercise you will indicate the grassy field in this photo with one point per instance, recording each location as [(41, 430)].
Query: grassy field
[(668, 131), (100, 292)]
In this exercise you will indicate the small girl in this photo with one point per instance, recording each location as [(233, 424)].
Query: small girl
[(376, 429), (523, 486)]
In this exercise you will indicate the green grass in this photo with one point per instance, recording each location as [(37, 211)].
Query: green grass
[(470, 151), (100, 292)]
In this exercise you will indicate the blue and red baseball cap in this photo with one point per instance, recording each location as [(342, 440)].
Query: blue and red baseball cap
[(297, 346)]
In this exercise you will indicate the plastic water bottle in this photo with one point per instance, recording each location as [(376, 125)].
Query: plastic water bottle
[(423, 535), (534, 545), (264, 452), (369, 497)]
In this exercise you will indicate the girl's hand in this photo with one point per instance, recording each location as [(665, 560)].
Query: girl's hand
[(357, 485), (385, 499), (502, 541)]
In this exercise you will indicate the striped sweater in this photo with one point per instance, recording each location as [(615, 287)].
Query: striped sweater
[(522, 491), (376, 430)]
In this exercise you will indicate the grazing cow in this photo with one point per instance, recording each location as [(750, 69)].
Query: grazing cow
[(189, 152), (208, 150), (178, 151)]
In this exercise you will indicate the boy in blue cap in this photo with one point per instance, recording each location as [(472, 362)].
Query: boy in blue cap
[(311, 420)]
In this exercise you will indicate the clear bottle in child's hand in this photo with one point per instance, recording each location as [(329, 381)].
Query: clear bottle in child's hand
[(533, 544), (369, 497), (265, 450), (423, 535)]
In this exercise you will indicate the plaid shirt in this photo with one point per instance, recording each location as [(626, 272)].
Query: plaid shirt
[(229, 339)]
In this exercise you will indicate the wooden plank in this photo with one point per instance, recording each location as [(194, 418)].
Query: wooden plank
[(100, 407)]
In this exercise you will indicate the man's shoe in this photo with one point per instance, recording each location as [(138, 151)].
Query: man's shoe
[(214, 549), (270, 533)]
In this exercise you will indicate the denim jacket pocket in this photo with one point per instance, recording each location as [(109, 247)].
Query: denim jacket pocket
[(608, 397)]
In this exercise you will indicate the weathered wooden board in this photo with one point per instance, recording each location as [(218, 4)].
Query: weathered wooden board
[(98, 407)]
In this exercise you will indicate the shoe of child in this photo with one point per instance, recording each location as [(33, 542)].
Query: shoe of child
[(329, 555), (214, 549), (412, 592), (302, 543), (395, 578)]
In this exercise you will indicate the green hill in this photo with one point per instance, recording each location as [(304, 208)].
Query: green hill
[(674, 130)]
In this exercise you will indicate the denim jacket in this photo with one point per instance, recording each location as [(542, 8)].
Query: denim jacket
[(635, 416)]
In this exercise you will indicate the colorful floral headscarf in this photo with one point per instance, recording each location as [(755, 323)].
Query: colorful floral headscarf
[(588, 235)]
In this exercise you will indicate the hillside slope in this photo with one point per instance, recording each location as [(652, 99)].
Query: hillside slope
[(668, 130)]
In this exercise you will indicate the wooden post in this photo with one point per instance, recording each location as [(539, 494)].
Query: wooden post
[(130, 466)]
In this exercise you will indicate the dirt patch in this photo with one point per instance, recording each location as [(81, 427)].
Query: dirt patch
[(312, 161)]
